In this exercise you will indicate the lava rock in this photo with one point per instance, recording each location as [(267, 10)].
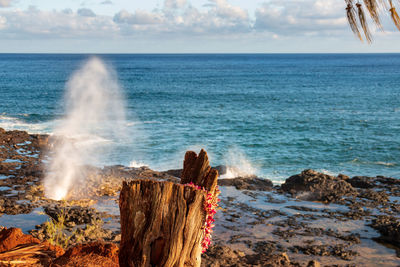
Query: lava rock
[(218, 256), (176, 173), (13, 237), (222, 169), (76, 214), (251, 183), (362, 182), (389, 228), (91, 254), (318, 186)]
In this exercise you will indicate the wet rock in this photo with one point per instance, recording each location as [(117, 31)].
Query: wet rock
[(276, 260), (389, 228), (221, 169), (326, 250), (313, 263), (388, 180), (219, 256), (250, 183), (362, 182), (9, 206), (76, 214), (92, 254), (266, 247), (302, 208), (176, 173), (376, 196), (313, 185)]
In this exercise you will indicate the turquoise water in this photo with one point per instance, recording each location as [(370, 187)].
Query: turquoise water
[(274, 115)]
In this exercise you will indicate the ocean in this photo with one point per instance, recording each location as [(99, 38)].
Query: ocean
[(272, 115)]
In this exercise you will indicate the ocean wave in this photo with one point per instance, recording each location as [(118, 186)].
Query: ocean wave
[(15, 123), (383, 163), (277, 180), (389, 164), (133, 123), (137, 164), (238, 165), (328, 172)]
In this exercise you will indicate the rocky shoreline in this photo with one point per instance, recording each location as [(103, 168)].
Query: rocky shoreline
[(313, 219)]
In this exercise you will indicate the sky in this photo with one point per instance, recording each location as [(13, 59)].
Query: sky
[(184, 26)]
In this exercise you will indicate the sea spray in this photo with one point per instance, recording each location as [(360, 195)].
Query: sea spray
[(238, 165), (95, 116)]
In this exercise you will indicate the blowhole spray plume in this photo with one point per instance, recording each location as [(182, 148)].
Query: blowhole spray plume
[(95, 116), (238, 165)]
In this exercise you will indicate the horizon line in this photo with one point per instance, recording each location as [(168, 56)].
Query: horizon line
[(195, 53)]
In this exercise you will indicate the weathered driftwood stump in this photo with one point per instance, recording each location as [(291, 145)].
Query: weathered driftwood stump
[(167, 224)]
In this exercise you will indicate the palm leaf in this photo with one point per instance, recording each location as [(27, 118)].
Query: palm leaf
[(394, 15), (354, 9), (351, 17), (372, 7), (363, 22)]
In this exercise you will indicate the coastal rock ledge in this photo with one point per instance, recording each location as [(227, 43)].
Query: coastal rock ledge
[(316, 186)]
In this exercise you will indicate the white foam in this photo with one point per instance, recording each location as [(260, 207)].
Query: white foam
[(238, 165), (11, 123), (388, 164), (137, 164), (328, 172)]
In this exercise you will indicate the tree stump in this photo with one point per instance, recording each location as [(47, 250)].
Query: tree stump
[(197, 170), (164, 223)]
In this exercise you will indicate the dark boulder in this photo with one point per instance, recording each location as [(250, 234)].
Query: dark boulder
[(362, 182), (176, 173), (250, 183), (318, 186), (389, 228), (221, 169), (218, 256)]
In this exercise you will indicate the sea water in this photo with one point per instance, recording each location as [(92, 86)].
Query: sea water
[(268, 114)]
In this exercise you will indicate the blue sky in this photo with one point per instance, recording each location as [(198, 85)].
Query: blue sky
[(184, 26)]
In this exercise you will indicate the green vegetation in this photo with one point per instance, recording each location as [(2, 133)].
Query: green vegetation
[(56, 232)]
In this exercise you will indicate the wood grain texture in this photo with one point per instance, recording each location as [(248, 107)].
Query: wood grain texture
[(162, 223), (196, 169)]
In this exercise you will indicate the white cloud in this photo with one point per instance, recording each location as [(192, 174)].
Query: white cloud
[(276, 19), (106, 2), (3, 22), (86, 12), (175, 4), (292, 17), (54, 24), (5, 3), (139, 17), (179, 17), (228, 11)]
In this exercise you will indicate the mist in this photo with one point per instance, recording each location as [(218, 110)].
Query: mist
[(95, 117)]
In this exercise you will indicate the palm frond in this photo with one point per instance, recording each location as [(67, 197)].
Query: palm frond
[(351, 17), (394, 15), (373, 10), (357, 18), (363, 22)]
